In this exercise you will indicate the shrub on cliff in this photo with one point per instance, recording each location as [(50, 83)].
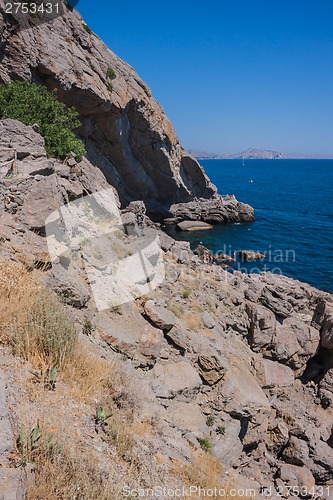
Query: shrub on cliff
[(30, 103)]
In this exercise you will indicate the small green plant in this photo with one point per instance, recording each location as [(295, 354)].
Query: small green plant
[(86, 27), (30, 103), (33, 442), (101, 415), (221, 430), (186, 293), (210, 420), (205, 444), (110, 73), (110, 87)]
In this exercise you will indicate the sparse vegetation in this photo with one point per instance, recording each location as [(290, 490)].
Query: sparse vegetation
[(33, 104), (110, 73), (221, 430), (210, 420), (35, 442), (205, 444), (102, 415), (186, 293), (86, 27), (110, 87)]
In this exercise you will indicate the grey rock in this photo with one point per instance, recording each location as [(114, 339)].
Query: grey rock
[(178, 380), (187, 225), (11, 481), (6, 435), (212, 367), (217, 210), (262, 326), (42, 199), (270, 374), (296, 452), (71, 288), (294, 476), (228, 447), (160, 316), (295, 343), (276, 302), (207, 320)]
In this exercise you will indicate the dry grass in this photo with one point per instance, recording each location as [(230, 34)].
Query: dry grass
[(193, 321), (68, 475), (33, 320), (205, 472), (177, 310)]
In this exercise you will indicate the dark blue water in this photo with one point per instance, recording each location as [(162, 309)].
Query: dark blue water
[(293, 202)]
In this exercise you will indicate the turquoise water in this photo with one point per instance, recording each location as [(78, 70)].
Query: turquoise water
[(293, 202)]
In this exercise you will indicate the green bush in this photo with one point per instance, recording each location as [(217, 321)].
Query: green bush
[(111, 73), (30, 103)]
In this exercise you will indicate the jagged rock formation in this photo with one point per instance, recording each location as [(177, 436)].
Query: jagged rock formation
[(124, 129)]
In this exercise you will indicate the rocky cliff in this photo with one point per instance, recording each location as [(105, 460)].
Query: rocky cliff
[(125, 130), (230, 373)]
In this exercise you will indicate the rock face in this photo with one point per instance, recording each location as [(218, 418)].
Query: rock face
[(125, 130)]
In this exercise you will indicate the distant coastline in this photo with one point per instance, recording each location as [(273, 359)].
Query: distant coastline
[(257, 154)]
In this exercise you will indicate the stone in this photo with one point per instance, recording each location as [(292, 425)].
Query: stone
[(11, 481), (6, 435), (182, 251), (187, 417), (248, 255), (207, 320), (296, 452), (294, 476), (239, 392), (175, 380), (41, 200), (294, 343), (160, 316), (71, 288), (215, 210), (326, 382), (22, 138), (262, 326), (270, 374), (228, 447), (212, 367), (188, 225), (276, 302)]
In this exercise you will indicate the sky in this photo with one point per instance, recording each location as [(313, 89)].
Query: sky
[(230, 74)]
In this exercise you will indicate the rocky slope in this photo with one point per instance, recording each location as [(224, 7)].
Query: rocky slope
[(125, 130), (238, 364)]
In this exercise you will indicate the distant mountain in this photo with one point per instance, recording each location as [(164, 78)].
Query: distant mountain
[(247, 154), (258, 154)]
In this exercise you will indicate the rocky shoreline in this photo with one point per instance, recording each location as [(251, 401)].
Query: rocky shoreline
[(242, 362)]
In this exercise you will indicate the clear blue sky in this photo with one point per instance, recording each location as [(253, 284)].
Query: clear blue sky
[(230, 74)]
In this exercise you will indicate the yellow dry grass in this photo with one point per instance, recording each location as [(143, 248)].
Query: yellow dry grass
[(207, 473)]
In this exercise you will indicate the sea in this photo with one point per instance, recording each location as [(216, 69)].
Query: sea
[(293, 227)]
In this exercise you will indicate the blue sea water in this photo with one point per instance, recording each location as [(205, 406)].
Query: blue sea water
[(293, 202)]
